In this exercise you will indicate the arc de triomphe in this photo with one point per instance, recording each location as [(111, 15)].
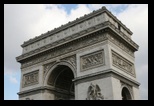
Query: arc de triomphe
[(90, 58)]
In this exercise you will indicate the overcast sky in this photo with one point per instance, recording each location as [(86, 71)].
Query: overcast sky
[(22, 22)]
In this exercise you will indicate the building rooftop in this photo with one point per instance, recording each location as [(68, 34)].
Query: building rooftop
[(76, 21)]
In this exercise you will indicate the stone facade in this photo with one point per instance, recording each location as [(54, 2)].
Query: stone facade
[(90, 58)]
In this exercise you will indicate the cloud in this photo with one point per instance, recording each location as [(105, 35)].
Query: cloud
[(22, 22), (11, 75), (135, 17), (114, 8), (142, 76), (13, 80), (81, 10)]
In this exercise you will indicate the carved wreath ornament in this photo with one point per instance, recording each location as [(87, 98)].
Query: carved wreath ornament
[(94, 93)]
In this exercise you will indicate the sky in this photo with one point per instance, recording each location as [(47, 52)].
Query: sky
[(25, 21)]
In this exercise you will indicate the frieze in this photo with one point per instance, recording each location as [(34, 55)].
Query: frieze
[(69, 25), (124, 36), (78, 45), (121, 45), (30, 78), (92, 60), (80, 28), (122, 63), (96, 16), (54, 44), (107, 23), (87, 41)]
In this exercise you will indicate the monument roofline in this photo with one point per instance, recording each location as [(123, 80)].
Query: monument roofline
[(75, 38), (77, 21)]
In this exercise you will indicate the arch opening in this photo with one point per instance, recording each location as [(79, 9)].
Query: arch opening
[(61, 80), (126, 94)]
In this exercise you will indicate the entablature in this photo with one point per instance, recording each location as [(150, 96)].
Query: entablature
[(104, 27), (80, 24)]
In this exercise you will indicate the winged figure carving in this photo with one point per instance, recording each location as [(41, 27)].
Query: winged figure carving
[(94, 93)]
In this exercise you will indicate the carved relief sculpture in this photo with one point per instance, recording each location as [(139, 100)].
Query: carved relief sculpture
[(47, 67), (65, 54), (71, 59), (92, 60), (94, 93), (66, 49), (30, 79), (121, 45), (120, 62)]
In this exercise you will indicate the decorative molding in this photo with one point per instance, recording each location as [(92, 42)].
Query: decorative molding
[(64, 40), (121, 45), (77, 35), (78, 28), (71, 59), (47, 68), (92, 60), (123, 36), (122, 63), (106, 73), (125, 84), (94, 93), (70, 25), (129, 87), (31, 78), (86, 41)]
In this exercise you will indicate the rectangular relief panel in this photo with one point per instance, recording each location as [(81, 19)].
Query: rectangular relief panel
[(92, 60), (31, 78), (122, 63)]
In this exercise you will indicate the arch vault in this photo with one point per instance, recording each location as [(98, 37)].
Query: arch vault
[(90, 58)]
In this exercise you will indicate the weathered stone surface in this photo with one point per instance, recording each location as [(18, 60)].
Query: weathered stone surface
[(91, 58), (30, 78)]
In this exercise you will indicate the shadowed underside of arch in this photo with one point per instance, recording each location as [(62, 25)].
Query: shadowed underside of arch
[(126, 94), (61, 79)]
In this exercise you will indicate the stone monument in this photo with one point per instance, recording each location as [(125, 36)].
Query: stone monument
[(90, 58)]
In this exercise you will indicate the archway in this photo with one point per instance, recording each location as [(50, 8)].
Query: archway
[(61, 80), (126, 94)]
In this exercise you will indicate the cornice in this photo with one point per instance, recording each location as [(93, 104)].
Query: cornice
[(109, 72), (119, 22), (67, 25), (40, 89), (123, 36), (77, 21), (65, 41)]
